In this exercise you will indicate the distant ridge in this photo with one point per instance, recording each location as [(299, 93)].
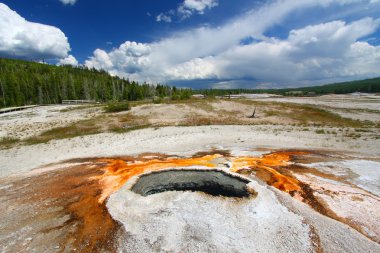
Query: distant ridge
[(366, 86)]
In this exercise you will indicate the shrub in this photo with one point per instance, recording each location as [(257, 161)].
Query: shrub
[(175, 97), (117, 107), (320, 131), (157, 100)]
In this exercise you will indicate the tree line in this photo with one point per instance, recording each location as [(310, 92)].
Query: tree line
[(26, 83), (366, 86)]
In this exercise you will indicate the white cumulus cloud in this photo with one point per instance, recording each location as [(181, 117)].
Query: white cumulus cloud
[(326, 51), (194, 69), (188, 7), (164, 18), (70, 2), (323, 51), (20, 38), (129, 58), (69, 60), (200, 5)]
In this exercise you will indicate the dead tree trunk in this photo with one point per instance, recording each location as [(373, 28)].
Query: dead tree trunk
[(253, 114), (2, 91)]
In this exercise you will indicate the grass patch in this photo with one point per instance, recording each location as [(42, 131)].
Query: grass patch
[(117, 107), (307, 114), (303, 116), (351, 110), (320, 131), (353, 135), (117, 123), (81, 128), (198, 121), (297, 114), (202, 104), (133, 120), (271, 113), (195, 120), (362, 130), (121, 130), (8, 142), (192, 101)]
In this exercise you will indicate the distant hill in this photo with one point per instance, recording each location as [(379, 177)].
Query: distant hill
[(366, 86), (25, 83)]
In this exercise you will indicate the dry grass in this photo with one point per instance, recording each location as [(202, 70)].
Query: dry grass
[(84, 127), (120, 130), (8, 142), (107, 122), (306, 114), (204, 112), (204, 121), (208, 112), (203, 104), (128, 122), (320, 131)]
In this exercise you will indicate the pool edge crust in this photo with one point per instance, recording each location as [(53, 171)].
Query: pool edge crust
[(215, 182)]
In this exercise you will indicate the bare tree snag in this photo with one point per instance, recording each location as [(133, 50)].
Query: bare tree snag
[(253, 114), (2, 91)]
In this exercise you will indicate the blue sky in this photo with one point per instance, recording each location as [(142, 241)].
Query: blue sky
[(201, 43), (90, 25)]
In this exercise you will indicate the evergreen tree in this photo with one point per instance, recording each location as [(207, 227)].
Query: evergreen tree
[(26, 83)]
